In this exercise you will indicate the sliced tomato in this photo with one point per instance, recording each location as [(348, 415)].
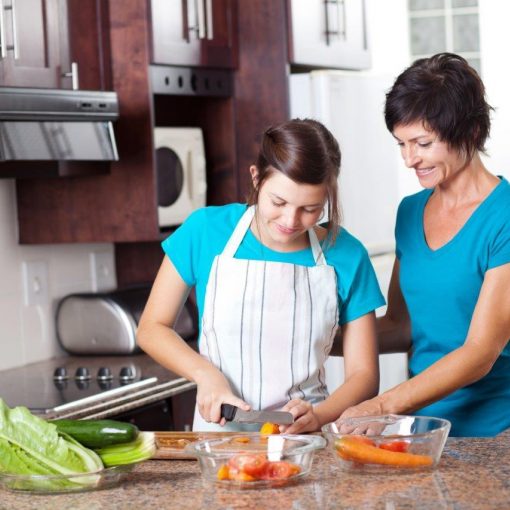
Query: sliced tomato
[(280, 470), (250, 464), (395, 446)]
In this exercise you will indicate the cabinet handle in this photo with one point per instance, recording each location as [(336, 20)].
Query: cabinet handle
[(200, 10), (3, 52), (192, 14), (73, 74), (14, 45), (334, 10), (209, 19)]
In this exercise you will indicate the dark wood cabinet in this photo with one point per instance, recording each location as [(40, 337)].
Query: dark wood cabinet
[(194, 32), (55, 44), (121, 207), (32, 33)]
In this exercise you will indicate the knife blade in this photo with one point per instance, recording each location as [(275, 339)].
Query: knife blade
[(233, 413)]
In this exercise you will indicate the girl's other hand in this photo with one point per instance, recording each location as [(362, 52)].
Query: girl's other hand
[(213, 390), (305, 419)]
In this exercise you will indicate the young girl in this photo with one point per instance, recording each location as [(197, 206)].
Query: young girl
[(272, 288)]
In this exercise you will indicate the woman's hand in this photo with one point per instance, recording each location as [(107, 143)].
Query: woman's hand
[(305, 419), (370, 407), (213, 390)]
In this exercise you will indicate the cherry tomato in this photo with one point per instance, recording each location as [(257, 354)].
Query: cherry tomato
[(395, 446), (279, 470), (252, 465)]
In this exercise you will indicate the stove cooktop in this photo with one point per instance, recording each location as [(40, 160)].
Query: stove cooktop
[(57, 384)]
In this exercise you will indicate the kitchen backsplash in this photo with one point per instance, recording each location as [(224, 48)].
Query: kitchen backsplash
[(34, 278)]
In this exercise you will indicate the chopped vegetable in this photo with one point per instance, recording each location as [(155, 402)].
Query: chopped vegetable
[(142, 448), (352, 449), (270, 428), (251, 467), (395, 446)]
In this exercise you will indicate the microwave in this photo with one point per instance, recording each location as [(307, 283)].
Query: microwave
[(181, 173)]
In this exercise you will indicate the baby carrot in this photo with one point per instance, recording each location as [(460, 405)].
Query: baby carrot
[(355, 450)]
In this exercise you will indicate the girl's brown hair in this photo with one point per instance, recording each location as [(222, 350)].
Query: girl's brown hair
[(305, 151)]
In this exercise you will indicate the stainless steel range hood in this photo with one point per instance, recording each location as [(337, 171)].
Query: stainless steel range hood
[(57, 125)]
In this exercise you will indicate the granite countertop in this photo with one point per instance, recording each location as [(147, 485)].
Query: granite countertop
[(474, 473)]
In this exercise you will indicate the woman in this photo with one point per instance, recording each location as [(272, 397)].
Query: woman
[(449, 293), (272, 288)]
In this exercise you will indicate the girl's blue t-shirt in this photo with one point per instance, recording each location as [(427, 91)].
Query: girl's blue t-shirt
[(441, 288), (194, 245)]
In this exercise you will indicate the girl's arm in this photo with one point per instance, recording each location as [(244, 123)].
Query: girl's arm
[(159, 340), (361, 378), (488, 334)]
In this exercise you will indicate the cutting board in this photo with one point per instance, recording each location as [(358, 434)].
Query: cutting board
[(171, 445)]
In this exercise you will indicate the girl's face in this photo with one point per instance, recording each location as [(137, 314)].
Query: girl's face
[(432, 160), (286, 210)]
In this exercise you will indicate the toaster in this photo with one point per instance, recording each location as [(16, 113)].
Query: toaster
[(105, 323)]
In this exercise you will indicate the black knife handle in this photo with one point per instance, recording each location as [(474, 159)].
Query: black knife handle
[(228, 411)]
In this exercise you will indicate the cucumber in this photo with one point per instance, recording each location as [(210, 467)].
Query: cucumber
[(98, 433)]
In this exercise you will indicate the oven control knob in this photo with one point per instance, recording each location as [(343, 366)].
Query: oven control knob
[(104, 374), (126, 374), (60, 374), (82, 374)]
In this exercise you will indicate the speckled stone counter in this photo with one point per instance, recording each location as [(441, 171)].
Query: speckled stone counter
[(473, 474)]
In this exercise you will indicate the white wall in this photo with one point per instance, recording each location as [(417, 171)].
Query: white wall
[(388, 29), (27, 332), (495, 43)]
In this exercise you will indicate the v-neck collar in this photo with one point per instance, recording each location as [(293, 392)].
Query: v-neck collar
[(479, 210)]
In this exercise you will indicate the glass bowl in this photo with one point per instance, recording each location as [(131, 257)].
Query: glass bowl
[(57, 484), (250, 461), (387, 443)]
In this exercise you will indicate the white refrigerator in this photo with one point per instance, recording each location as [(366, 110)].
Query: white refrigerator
[(351, 105)]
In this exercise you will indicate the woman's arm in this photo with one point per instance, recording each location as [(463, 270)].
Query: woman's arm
[(488, 334), (159, 340), (361, 378)]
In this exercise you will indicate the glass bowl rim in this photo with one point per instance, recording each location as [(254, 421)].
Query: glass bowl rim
[(443, 425), (313, 442)]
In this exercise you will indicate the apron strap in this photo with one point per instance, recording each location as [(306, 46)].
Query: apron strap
[(244, 224), (239, 232)]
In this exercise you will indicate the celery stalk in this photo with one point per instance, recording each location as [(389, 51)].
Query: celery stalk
[(142, 448)]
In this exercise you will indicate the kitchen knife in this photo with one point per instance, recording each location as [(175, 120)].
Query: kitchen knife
[(233, 413)]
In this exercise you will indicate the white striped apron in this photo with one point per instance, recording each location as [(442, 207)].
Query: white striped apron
[(268, 326)]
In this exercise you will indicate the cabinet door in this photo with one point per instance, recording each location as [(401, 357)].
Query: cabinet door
[(194, 32), (32, 32), (329, 33)]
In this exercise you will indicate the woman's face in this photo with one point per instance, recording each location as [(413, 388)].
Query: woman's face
[(432, 160), (286, 210)]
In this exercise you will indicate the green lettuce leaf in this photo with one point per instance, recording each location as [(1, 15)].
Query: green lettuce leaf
[(31, 445)]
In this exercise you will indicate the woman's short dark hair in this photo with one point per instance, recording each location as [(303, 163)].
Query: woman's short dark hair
[(447, 95), (305, 151)]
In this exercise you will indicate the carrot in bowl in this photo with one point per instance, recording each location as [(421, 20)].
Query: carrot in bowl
[(357, 451)]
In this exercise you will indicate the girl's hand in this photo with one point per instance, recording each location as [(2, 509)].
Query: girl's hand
[(213, 390), (305, 419)]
